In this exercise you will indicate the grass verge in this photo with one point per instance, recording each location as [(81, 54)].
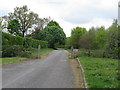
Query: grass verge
[(11, 59), (34, 54), (100, 72), (43, 51)]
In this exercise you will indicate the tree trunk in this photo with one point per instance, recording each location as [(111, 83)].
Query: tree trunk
[(23, 33)]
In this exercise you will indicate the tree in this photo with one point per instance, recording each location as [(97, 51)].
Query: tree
[(1, 25), (53, 23), (25, 17), (53, 33), (76, 34), (94, 42), (40, 26), (14, 27), (0, 22), (101, 37), (93, 39), (68, 42), (87, 41), (112, 47)]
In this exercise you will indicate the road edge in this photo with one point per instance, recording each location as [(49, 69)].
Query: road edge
[(83, 75)]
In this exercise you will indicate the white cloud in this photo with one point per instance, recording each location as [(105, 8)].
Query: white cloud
[(69, 13)]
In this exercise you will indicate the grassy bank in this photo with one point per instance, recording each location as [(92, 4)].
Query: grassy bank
[(42, 52), (34, 54), (100, 72)]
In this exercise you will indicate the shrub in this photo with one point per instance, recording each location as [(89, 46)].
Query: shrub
[(92, 53), (11, 50), (15, 50), (24, 54)]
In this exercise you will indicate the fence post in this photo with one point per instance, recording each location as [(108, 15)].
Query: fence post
[(72, 51), (39, 51)]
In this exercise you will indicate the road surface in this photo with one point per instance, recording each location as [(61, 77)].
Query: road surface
[(52, 72)]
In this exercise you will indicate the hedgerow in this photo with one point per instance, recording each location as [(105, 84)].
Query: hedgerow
[(19, 46), (8, 39)]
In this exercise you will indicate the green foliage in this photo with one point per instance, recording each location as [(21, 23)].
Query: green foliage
[(101, 37), (68, 43), (119, 42), (76, 34), (19, 46), (42, 52), (8, 39), (11, 50), (41, 23), (53, 34), (112, 40), (93, 39), (93, 53), (100, 42), (11, 60), (100, 72), (53, 23), (14, 27), (25, 17), (1, 23)]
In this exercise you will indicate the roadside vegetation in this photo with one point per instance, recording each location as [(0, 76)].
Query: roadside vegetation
[(43, 51), (11, 60), (34, 55), (100, 72), (97, 41), (99, 53), (23, 31)]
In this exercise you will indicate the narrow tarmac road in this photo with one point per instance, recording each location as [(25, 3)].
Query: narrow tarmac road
[(51, 72)]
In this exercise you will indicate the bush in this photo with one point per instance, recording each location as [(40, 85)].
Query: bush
[(11, 50), (92, 53), (24, 54), (96, 53), (15, 50)]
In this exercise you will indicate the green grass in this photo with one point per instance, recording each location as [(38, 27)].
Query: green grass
[(100, 72), (42, 51), (11, 59), (16, 59)]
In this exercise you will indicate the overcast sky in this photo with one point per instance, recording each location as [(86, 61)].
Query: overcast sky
[(69, 13)]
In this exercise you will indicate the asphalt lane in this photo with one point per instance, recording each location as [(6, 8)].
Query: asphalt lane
[(51, 72)]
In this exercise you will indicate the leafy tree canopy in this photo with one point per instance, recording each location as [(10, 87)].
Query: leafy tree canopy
[(14, 27), (26, 18), (53, 33), (76, 34)]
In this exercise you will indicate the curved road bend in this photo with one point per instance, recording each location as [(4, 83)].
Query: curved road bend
[(51, 72)]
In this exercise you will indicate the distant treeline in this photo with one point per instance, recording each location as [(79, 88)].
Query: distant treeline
[(96, 42)]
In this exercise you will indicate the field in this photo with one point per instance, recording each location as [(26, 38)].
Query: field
[(100, 72)]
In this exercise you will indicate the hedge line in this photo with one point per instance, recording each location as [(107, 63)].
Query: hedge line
[(19, 46), (8, 39)]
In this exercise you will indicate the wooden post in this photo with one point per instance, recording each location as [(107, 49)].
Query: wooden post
[(72, 51), (39, 51)]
